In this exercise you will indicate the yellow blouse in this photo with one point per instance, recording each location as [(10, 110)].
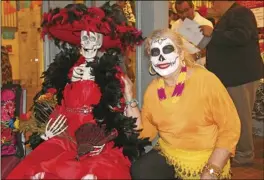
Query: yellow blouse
[(204, 117)]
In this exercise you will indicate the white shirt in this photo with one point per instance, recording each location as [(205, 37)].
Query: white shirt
[(200, 20)]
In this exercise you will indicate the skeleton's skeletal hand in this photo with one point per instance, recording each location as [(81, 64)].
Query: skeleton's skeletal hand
[(56, 128), (39, 175), (98, 150), (77, 74), (82, 73), (89, 177), (87, 73)]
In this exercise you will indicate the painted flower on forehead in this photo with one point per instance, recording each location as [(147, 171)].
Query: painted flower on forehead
[(164, 56)]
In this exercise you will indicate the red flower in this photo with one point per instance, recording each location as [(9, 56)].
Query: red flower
[(7, 94), (203, 10), (52, 90), (25, 116)]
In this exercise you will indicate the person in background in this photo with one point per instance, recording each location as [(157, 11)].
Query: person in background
[(173, 17), (212, 20), (190, 109), (233, 55), (185, 9)]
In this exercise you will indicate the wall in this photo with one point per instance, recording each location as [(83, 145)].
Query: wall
[(24, 52), (31, 51), (151, 15), (27, 56)]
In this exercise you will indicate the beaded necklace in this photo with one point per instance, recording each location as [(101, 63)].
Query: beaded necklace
[(179, 87)]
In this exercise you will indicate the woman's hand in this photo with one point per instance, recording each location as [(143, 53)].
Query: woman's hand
[(128, 94), (207, 30), (132, 109)]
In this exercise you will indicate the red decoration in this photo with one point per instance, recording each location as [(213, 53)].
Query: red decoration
[(25, 116), (9, 48), (251, 4), (52, 90), (203, 10), (8, 7)]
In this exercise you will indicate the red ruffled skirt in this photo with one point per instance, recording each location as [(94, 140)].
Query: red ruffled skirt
[(56, 157)]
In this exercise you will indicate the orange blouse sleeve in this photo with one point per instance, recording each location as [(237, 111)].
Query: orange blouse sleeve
[(148, 128), (224, 114)]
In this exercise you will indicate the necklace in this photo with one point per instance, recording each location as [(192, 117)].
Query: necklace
[(177, 92)]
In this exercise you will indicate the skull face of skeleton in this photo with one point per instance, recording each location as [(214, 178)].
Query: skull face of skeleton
[(90, 43), (164, 56)]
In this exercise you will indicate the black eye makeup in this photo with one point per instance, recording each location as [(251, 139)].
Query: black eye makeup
[(167, 49), (154, 52)]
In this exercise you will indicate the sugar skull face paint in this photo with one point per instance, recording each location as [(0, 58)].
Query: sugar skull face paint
[(163, 56)]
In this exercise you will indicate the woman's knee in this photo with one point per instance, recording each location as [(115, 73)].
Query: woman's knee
[(141, 168), (135, 170), (152, 166)]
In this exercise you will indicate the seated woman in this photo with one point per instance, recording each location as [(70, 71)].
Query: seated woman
[(190, 110), (79, 112)]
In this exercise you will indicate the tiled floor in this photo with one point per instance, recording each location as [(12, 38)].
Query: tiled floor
[(255, 171)]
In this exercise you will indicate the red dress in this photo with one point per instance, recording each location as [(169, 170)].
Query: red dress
[(56, 156)]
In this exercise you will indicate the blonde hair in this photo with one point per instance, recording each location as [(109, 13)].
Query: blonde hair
[(175, 37)]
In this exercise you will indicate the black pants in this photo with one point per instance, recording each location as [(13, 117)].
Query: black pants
[(152, 166)]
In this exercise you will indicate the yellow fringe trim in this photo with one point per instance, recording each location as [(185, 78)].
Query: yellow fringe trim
[(188, 164)]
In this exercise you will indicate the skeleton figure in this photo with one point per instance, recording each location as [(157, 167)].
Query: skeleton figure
[(164, 56), (90, 43)]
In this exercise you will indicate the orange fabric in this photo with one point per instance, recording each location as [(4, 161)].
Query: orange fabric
[(204, 117)]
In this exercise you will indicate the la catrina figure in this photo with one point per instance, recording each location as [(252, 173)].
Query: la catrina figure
[(77, 122)]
